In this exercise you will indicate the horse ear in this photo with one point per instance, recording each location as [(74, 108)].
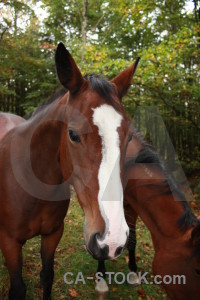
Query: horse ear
[(68, 72), (123, 79)]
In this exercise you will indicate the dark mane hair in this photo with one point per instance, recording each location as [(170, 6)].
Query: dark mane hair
[(101, 85), (148, 155), (196, 239), (59, 93)]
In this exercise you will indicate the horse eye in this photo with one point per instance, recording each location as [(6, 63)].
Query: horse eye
[(74, 136)]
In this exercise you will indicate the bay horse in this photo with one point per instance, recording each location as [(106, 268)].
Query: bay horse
[(79, 137), (152, 193), (7, 122)]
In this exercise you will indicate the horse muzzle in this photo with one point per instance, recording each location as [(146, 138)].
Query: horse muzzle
[(103, 251)]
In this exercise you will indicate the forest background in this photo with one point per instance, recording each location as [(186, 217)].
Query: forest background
[(105, 36)]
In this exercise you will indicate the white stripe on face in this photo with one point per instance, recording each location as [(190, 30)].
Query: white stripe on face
[(110, 196)]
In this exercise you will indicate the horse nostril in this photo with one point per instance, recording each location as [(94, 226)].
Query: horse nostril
[(100, 253), (118, 251)]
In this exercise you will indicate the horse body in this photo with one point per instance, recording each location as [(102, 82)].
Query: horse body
[(155, 197), (22, 216), (7, 122), (68, 141), (13, 157)]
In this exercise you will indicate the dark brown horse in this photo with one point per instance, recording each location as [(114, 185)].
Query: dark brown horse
[(80, 138), (153, 194), (7, 122)]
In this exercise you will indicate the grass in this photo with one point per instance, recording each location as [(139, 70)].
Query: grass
[(71, 256)]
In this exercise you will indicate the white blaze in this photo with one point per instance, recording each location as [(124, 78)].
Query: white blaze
[(110, 196)]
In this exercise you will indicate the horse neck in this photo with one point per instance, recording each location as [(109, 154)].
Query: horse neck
[(45, 130), (149, 195)]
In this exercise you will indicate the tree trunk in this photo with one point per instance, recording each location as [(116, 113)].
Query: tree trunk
[(84, 23)]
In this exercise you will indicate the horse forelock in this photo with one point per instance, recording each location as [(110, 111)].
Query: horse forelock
[(101, 85), (106, 90)]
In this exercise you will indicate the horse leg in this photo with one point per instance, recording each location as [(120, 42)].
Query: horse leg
[(101, 286), (131, 250), (133, 278), (48, 247), (101, 268), (12, 251)]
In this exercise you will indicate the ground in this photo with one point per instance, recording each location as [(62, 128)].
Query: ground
[(71, 256)]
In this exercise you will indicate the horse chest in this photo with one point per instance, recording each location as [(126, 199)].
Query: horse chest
[(46, 219)]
